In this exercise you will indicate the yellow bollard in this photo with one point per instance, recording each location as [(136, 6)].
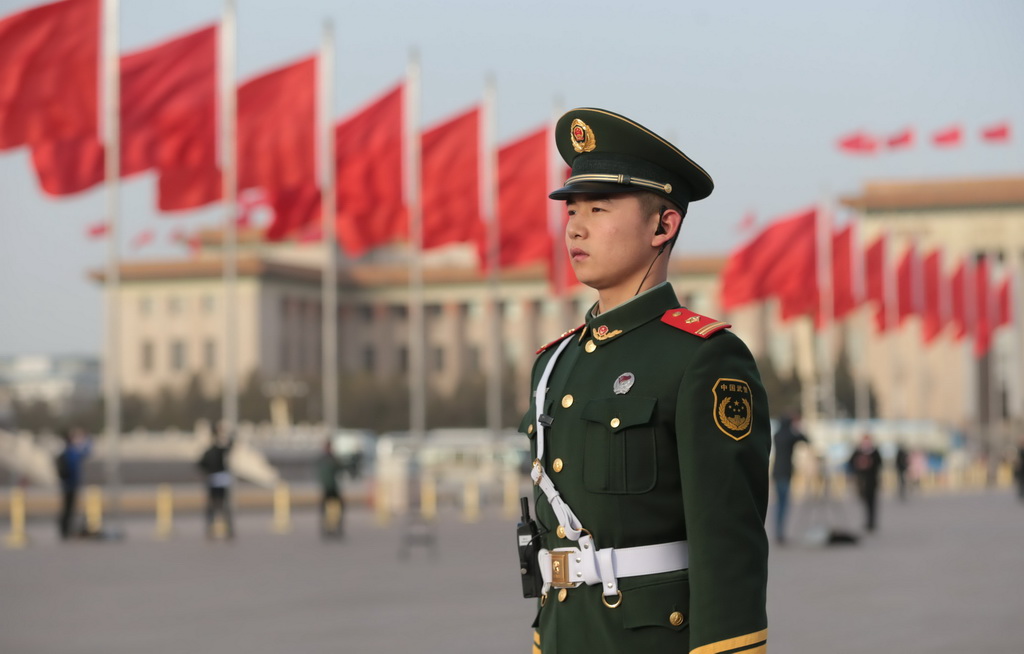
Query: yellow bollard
[(93, 509), (164, 512), (380, 503), (471, 500), (282, 509), (17, 538), (332, 515), (428, 497), (511, 494)]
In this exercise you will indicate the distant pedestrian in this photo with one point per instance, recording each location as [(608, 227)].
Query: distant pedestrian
[(77, 446), (786, 438), (332, 503), (214, 465), (866, 464), (902, 464)]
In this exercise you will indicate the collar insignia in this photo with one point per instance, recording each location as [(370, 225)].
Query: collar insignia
[(602, 333)]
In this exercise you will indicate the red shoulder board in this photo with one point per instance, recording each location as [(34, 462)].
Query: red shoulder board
[(693, 323), (559, 339)]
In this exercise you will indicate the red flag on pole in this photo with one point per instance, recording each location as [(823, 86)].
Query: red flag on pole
[(48, 73), (962, 300), (948, 137), (903, 139), (277, 128), (1004, 302), (847, 271), (935, 312), (997, 133), (165, 90), (97, 230), (523, 205), (858, 143), (451, 181), (984, 323), (908, 275), (880, 283), (777, 262), (142, 239)]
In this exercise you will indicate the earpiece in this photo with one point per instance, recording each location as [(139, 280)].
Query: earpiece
[(661, 226)]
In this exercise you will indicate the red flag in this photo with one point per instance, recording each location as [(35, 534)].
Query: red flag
[(858, 143), (908, 285), (142, 239), (779, 262), (962, 300), (948, 137), (985, 323), (277, 128), (371, 209), (879, 286), (97, 230), (935, 311), (1004, 302), (847, 271), (166, 92), (523, 205), (48, 73), (451, 181), (903, 139), (998, 133)]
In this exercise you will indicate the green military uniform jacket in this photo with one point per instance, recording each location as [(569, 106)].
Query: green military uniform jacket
[(682, 454)]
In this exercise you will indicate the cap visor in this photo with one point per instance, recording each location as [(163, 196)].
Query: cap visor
[(591, 188)]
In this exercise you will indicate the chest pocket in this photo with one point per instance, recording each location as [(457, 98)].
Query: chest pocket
[(620, 454)]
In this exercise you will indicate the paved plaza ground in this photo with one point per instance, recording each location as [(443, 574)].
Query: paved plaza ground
[(943, 574)]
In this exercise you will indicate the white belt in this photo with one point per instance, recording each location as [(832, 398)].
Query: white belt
[(568, 567)]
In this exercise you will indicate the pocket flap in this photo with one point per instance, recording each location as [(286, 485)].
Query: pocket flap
[(626, 411), (663, 604)]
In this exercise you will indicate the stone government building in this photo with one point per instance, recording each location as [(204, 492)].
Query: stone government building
[(172, 311)]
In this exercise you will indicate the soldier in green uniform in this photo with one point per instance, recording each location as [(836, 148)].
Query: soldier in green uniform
[(649, 425)]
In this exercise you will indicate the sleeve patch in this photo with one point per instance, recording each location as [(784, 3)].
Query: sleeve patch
[(693, 323), (733, 407)]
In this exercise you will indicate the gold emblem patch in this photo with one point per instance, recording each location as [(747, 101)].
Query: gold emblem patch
[(582, 136), (734, 407)]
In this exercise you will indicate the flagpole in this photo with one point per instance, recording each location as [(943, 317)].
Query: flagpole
[(826, 309), (993, 381), (417, 369), (862, 391), (229, 171), (891, 294), (328, 182), (488, 187), (111, 129)]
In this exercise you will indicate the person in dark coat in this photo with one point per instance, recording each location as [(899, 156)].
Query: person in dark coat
[(865, 464), (328, 467), (786, 439), (214, 464), (77, 447)]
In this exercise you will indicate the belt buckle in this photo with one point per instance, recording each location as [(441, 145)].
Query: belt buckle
[(560, 569)]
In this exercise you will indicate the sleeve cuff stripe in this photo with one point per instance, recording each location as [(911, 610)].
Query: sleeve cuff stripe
[(753, 643)]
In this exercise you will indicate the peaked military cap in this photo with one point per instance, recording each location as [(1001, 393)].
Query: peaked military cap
[(610, 153)]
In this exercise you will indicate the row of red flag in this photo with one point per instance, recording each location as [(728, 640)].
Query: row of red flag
[(863, 142), (806, 264), (49, 103)]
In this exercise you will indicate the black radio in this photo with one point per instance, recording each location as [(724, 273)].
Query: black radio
[(526, 531)]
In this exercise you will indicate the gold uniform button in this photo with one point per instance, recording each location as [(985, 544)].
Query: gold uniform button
[(567, 401), (529, 430), (614, 423), (676, 618), (590, 346), (556, 465), (562, 594), (560, 531)]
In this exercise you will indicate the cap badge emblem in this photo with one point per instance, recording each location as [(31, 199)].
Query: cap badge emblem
[(582, 136), (623, 383)]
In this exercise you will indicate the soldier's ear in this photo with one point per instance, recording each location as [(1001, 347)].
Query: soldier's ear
[(669, 221)]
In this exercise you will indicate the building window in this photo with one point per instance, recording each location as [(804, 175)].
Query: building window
[(147, 356), (399, 312), (433, 310), (403, 359), (473, 358), (438, 357), (145, 306), (365, 312), (208, 304), (210, 354), (174, 305), (369, 358), (177, 355)]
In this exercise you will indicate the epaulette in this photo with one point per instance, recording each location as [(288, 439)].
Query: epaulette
[(557, 340), (693, 323)]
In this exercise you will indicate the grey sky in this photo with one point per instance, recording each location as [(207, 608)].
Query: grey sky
[(756, 92)]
